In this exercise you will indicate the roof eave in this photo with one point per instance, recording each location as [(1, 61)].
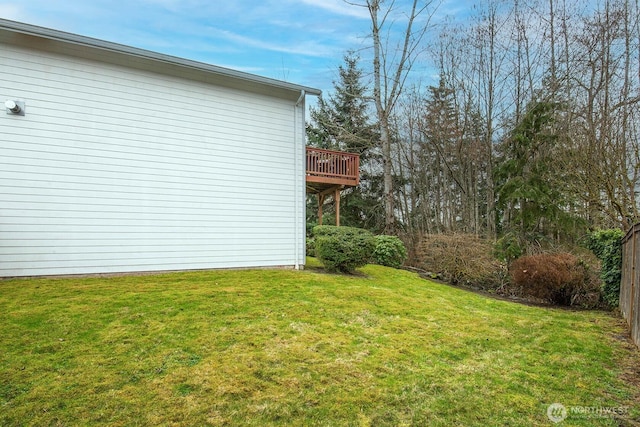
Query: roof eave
[(62, 36)]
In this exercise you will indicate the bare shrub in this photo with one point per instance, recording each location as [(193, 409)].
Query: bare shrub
[(461, 259), (559, 278)]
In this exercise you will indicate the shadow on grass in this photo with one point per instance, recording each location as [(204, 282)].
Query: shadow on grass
[(315, 265)]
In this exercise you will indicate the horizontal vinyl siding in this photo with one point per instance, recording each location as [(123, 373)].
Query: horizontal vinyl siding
[(117, 170)]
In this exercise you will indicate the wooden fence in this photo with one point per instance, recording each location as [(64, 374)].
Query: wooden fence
[(629, 293)]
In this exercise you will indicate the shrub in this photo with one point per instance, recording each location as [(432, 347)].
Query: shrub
[(311, 246), (606, 245), (508, 248), (461, 259), (343, 249), (560, 278), (332, 230), (389, 251)]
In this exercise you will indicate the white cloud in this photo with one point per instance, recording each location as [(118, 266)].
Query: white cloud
[(340, 7), (307, 47)]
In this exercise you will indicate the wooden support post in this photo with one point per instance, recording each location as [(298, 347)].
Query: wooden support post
[(320, 203), (336, 197), (322, 196)]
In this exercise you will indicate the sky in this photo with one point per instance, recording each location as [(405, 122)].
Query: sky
[(298, 41)]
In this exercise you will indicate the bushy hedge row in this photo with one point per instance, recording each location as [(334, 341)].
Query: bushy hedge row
[(557, 277), (464, 259), (560, 278), (344, 249), (606, 245)]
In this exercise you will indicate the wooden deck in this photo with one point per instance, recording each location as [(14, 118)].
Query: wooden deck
[(328, 172), (327, 169)]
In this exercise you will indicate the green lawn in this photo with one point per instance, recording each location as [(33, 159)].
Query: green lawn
[(273, 347)]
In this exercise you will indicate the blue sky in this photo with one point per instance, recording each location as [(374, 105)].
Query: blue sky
[(300, 41)]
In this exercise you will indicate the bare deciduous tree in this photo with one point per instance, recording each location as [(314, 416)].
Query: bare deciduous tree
[(392, 64)]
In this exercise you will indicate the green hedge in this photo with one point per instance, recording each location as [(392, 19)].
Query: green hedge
[(389, 251), (606, 245), (311, 246), (343, 249)]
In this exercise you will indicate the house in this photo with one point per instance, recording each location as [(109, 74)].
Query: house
[(117, 159)]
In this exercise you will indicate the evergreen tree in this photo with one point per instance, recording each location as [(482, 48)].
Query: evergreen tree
[(450, 160), (531, 197), (341, 122), (441, 145)]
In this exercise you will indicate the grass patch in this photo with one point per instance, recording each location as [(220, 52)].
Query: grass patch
[(263, 347)]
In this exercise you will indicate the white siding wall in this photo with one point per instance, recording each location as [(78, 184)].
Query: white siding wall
[(115, 169)]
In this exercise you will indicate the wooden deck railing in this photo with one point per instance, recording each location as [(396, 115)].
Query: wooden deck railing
[(332, 167)]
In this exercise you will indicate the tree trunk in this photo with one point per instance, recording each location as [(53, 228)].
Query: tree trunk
[(388, 86)]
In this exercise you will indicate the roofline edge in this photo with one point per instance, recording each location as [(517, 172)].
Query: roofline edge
[(67, 37)]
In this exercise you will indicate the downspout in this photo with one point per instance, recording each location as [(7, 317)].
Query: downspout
[(299, 159), (302, 94)]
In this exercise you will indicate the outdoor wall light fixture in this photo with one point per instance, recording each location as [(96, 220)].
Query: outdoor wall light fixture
[(14, 107)]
